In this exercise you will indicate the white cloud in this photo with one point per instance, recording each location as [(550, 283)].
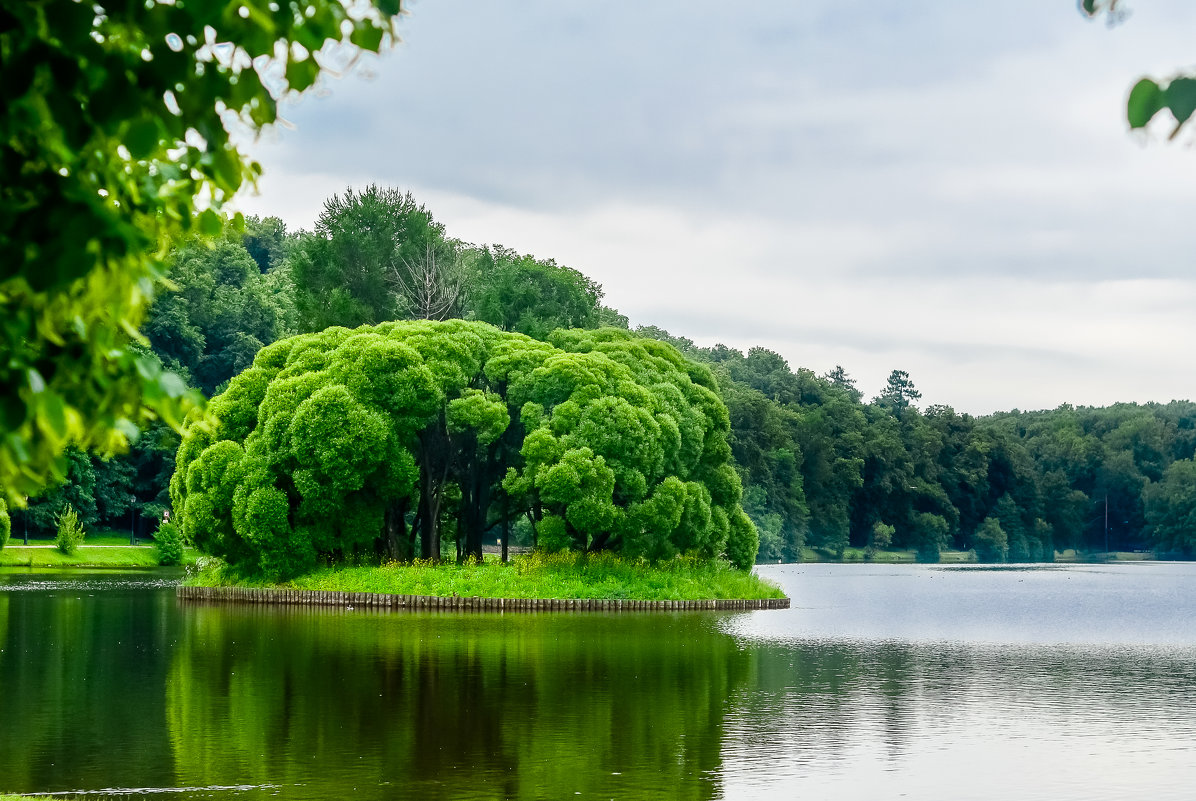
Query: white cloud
[(921, 186)]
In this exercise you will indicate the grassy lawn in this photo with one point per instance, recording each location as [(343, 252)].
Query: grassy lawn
[(531, 576), (104, 538), (88, 555)]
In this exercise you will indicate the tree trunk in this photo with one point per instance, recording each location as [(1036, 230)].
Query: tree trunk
[(398, 542), (433, 472), (506, 529), (429, 516)]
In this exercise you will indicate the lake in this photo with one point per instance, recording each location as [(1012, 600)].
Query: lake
[(920, 682)]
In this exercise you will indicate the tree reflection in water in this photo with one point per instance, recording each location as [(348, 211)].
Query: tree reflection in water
[(452, 706)]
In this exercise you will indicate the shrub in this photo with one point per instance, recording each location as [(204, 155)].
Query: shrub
[(5, 523), (168, 544), (990, 541), (70, 531)]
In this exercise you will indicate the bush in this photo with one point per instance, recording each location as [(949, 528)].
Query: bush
[(168, 544), (5, 523), (70, 531), (990, 541)]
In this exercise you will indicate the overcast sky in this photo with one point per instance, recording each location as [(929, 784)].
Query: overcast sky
[(943, 188)]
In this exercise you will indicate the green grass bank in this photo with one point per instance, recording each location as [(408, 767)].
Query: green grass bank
[(88, 555), (548, 576)]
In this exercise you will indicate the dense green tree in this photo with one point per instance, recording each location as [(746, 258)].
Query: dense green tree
[(842, 381), (345, 272), (899, 392), (929, 534), (354, 441), (5, 523), (880, 538), (266, 241), (529, 295), (78, 491), (1171, 509), (769, 459), (990, 541), (224, 311), (115, 123)]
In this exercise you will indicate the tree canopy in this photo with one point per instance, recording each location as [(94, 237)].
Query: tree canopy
[(114, 135), (371, 440)]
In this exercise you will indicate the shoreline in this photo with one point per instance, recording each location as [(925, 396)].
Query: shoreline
[(419, 603)]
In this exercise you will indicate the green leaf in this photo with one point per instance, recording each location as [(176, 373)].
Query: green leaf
[(142, 137), (53, 416), (126, 427), (210, 223), (1146, 99), (367, 38), (302, 74), (1180, 96), (172, 385)]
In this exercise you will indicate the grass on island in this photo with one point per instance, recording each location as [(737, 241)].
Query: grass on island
[(534, 575)]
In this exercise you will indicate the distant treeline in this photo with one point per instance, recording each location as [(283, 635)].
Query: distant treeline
[(822, 467)]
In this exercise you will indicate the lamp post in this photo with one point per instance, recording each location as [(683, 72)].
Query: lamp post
[(26, 518)]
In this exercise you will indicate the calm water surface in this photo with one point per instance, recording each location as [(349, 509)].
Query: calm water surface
[(1070, 682)]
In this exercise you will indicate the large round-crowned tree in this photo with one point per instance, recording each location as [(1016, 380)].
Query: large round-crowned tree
[(351, 441)]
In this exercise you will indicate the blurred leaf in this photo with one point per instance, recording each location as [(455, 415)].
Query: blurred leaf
[(54, 414), (1146, 99), (142, 138), (1180, 96), (210, 223)]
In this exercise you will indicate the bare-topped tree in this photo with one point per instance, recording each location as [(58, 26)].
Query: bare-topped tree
[(430, 287)]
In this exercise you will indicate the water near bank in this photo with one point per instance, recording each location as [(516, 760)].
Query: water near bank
[(1069, 682)]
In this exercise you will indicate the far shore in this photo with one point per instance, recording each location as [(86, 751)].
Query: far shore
[(859, 555)]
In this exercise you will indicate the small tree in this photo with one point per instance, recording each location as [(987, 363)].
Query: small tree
[(168, 544), (5, 522), (70, 531), (882, 537), (990, 541), (932, 533)]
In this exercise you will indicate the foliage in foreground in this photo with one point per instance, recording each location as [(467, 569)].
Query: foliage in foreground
[(325, 447), (535, 575), (115, 124)]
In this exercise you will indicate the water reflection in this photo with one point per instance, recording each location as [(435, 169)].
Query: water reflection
[(451, 706), (82, 674)]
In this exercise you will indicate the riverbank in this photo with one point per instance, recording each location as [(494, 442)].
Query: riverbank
[(534, 576)]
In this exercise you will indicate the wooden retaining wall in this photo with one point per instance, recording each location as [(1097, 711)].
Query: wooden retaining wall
[(377, 600)]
